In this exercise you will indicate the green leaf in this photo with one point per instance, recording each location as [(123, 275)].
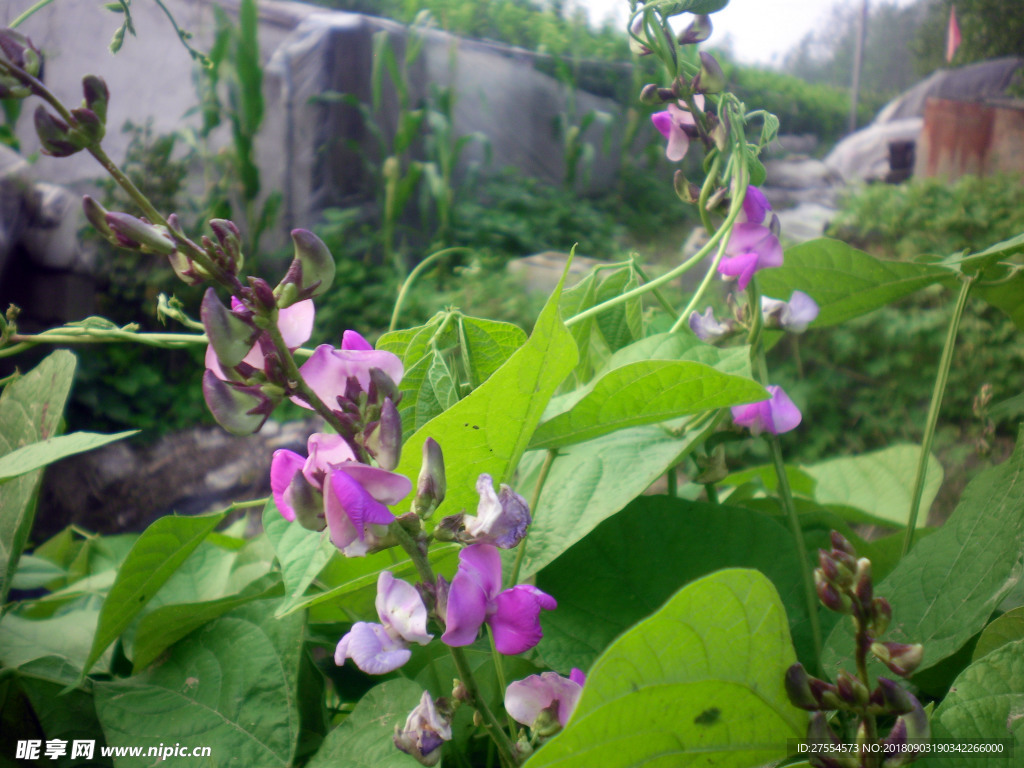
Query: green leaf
[(986, 701), (587, 484), (1006, 629), (46, 452), (573, 301), (30, 411), (622, 324), (717, 698), (844, 281), (488, 430), (166, 625), (68, 636), (645, 392), (364, 740), (231, 685), (943, 592), (1003, 291), (302, 554), (647, 552), (157, 554), (486, 345), (67, 717), (683, 346)]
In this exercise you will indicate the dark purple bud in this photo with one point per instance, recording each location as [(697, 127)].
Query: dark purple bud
[(54, 134), (842, 544), (711, 78), (910, 729), (238, 409), (863, 587), (262, 293), (138, 234), (431, 484), (88, 130), (385, 442), (96, 96), (798, 688), (895, 699), (311, 271), (851, 690), (698, 30), (382, 385), (829, 596), (229, 255), (17, 52), (229, 335), (687, 192), (649, 95)]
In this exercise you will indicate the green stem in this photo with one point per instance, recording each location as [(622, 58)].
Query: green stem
[(941, 378), (545, 468), (413, 276), (99, 336), (37, 7), (665, 303), (499, 670), (506, 749)]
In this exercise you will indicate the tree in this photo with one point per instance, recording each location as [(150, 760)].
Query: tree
[(989, 29)]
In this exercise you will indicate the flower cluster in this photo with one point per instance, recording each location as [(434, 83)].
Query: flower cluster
[(844, 585)]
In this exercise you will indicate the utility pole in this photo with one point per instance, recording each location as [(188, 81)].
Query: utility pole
[(858, 63)]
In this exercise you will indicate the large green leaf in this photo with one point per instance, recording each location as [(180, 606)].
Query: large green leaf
[(1003, 290), (844, 281), (231, 685), (30, 411), (67, 716), (1006, 629), (488, 430), (645, 392), (486, 345), (985, 702), (67, 635), (945, 589), (53, 449), (587, 484), (157, 554), (302, 554), (647, 552), (698, 683), (684, 346), (622, 324), (364, 740)]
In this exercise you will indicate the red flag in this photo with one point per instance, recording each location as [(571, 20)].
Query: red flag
[(952, 35)]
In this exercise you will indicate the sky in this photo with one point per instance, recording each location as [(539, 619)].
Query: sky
[(760, 31)]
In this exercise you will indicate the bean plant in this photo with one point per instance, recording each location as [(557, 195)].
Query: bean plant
[(504, 549)]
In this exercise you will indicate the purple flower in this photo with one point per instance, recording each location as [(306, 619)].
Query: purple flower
[(755, 206), (793, 315), (672, 124), (331, 485), (544, 697), (380, 648), (327, 372), (707, 328), (294, 322), (751, 247), (425, 730), (475, 596), (777, 414), (501, 518)]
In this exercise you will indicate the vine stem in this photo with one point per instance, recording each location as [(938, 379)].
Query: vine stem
[(413, 276), (941, 379)]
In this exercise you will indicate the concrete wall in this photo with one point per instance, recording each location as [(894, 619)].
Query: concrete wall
[(304, 148)]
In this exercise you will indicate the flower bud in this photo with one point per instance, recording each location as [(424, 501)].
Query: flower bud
[(649, 95), (262, 293), (17, 52), (137, 234), (239, 409), (311, 271), (711, 78), (385, 442), (426, 729), (851, 690), (697, 31), (901, 658), (881, 615), (54, 134), (430, 485), (89, 129), (798, 689), (863, 587), (307, 503), (911, 728), (895, 699), (687, 192), (830, 597), (229, 335), (229, 255), (841, 543), (97, 216), (96, 96), (383, 386)]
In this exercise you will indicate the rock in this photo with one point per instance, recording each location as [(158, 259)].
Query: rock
[(807, 221), (125, 487)]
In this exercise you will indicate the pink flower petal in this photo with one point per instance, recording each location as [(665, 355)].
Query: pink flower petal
[(401, 608), (283, 468), (516, 620), (353, 340), (346, 501), (527, 698), (372, 649), (296, 323), (466, 609), (386, 487)]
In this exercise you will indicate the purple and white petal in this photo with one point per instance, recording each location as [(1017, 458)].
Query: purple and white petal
[(372, 649)]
